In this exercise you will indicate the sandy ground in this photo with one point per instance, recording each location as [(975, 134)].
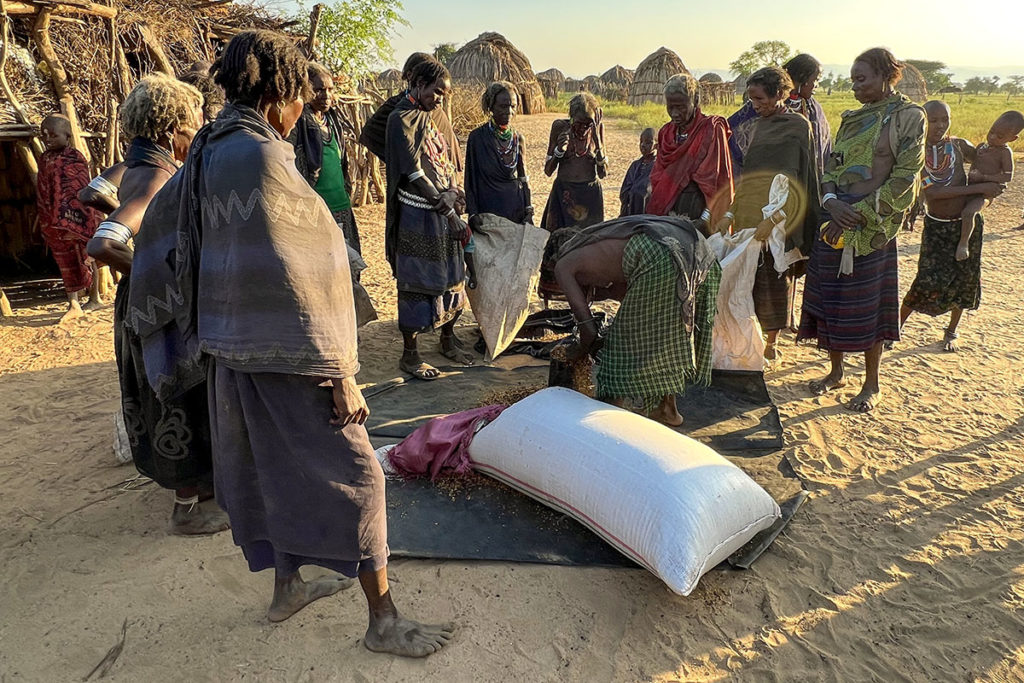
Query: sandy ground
[(907, 563)]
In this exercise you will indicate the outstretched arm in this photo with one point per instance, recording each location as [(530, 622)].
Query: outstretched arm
[(140, 187), (566, 271)]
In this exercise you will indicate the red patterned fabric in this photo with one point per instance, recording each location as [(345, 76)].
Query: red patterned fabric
[(703, 158), (65, 223)]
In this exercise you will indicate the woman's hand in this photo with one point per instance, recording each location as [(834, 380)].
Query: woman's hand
[(725, 225), (843, 215), (458, 228), (562, 143), (446, 201), (349, 405), (528, 215), (832, 233), (989, 190), (475, 222), (460, 201)]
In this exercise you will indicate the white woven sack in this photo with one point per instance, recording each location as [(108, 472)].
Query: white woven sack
[(667, 502)]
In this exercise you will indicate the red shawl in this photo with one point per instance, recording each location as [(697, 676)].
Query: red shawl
[(702, 158), (62, 174)]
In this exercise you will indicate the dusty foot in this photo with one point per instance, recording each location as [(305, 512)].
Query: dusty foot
[(193, 520), (770, 352), (668, 417), (291, 596), (452, 349), (827, 384), (93, 305), (74, 311), (865, 401), (949, 342), (398, 636), (414, 365)]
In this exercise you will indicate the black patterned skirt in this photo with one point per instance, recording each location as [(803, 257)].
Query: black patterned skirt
[(942, 282), (170, 440)]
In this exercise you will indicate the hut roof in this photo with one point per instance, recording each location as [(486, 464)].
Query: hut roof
[(617, 75), (912, 84), (710, 77), (491, 57), (551, 75), (390, 76), (649, 80)]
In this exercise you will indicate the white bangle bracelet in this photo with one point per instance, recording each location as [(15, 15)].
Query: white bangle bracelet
[(828, 196), (558, 154), (730, 215)]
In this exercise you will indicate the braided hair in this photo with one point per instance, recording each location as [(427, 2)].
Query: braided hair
[(883, 63), (773, 79), (491, 94), (414, 60), (261, 65), (427, 72)]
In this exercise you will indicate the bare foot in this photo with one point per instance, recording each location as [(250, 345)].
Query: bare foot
[(193, 520), (865, 401), (666, 413), (452, 349), (770, 353), (293, 594), (949, 342), (830, 382), (414, 365), (74, 311), (397, 636), (94, 304)]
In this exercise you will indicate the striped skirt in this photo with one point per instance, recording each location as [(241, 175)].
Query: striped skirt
[(851, 312)]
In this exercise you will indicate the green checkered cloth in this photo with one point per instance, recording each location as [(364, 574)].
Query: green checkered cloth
[(648, 353)]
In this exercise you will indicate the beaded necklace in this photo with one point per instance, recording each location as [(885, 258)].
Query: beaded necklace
[(436, 147), (580, 144), (508, 145), (940, 163)]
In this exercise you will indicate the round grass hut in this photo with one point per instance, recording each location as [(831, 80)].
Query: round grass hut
[(390, 81), (491, 57), (912, 84), (649, 80), (551, 82), (615, 83), (710, 77)]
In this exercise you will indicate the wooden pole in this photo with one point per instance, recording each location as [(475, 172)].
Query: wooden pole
[(112, 103), (156, 51), (314, 26), (17, 8), (41, 37), (6, 36)]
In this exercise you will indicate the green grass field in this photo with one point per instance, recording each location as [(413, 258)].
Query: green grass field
[(971, 118)]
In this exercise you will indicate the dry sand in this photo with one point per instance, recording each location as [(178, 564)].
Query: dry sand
[(907, 563)]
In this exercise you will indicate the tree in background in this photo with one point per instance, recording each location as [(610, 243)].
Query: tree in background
[(762, 53), (354, 36), (935, 75), (444, 52), (1013, 86)]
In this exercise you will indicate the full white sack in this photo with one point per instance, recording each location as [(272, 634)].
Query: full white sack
[(671, 504)]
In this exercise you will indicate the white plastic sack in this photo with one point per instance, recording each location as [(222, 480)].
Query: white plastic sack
[(736, 342), (507, 260), (122, 447), (669, 503)]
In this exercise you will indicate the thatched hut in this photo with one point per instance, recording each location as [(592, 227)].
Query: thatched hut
[(912, 84), (551, 82), (592, 84), (615, 83), (573, 85), (713, 90), (390, 81), (491, 57), (649, 79)]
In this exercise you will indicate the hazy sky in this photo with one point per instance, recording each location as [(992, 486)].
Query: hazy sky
[(581, 37)]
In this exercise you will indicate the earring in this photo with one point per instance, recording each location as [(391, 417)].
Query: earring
[(280, 107)]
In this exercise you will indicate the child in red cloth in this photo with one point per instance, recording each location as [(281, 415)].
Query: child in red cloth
[(65, 223)]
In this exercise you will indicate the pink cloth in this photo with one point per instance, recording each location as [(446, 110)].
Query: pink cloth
[(441, 444)]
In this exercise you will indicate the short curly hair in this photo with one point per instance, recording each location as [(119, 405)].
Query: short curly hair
[(491, 93), (213, 94), (159, 105), (261, 65), (773, 79), (583, 105), (883, 63)]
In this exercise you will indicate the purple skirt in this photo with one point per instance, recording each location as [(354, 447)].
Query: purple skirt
[(851, 312)]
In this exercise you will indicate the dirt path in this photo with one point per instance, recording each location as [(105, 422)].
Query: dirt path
[(906, 564)]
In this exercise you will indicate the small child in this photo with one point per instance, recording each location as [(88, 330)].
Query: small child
[(636, 186), (66, 224), (993, 163)]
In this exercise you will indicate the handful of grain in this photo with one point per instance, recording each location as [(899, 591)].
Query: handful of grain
[(572, 374)]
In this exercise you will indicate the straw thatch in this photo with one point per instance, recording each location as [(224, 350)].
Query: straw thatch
[(710, 77), (912, 84), (592, 84), (490, 57), (551, 82), (390, 81), (649, 80), (713, 90), (614, 83)]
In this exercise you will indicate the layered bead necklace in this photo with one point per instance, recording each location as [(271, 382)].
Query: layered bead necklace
[(940, 163), (508, 144)]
